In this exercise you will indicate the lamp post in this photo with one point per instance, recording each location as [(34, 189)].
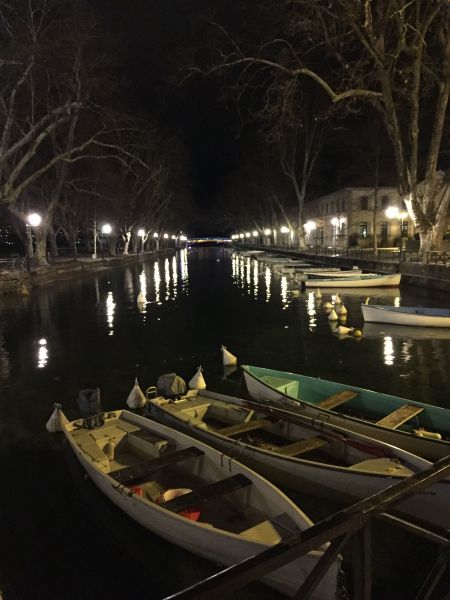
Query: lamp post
[(392, 212), (141, 234), (255, 235), (156, 240), (33, 220), (106, 230)]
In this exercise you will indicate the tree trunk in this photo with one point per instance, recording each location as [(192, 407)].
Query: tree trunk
[(40, 253), (431, 239), (126, 237), (301, 237), (112, 241), (53, 244), (73, 245)]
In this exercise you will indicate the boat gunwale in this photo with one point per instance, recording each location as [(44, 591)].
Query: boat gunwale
[(169, 514), (346, 416), (295, 459)]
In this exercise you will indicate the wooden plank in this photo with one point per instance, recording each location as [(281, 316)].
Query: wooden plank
[(302, 446), (337, 399), (400, 416), (142, 472), (207, 492), (243, 427)]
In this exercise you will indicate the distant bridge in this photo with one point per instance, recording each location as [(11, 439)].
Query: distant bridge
[(209, 240)]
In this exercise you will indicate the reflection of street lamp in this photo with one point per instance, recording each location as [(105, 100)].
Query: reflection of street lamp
[(33, 220)]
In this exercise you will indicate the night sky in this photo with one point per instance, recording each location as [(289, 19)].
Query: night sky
[(158, 40), (153, 36)]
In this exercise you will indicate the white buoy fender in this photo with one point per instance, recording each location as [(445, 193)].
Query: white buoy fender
[(197, 382), (136, 398), (141, 298), (318, 294), (228, 358), (53, 425), (341, 330), (333, 315), (337, 299), (342, 310)]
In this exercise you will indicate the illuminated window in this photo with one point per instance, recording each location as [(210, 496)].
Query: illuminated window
[(363, 230)]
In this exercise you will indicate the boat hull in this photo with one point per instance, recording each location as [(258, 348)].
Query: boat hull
[(395, 316), (318, 479), (201, 538), (358, 281), (429, 448)]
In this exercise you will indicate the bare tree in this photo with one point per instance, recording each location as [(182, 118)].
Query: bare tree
[(394, 54)]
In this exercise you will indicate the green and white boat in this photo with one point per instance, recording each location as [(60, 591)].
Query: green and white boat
[(414, 426)]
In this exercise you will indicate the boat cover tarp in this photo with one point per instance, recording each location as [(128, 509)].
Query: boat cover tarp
[(171, 385)]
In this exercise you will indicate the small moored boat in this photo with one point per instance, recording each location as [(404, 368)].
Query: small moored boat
[(354, 281), (406, 315), (303, 454), (192, 495), (417, 427)]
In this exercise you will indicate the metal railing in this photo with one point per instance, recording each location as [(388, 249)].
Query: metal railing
[(337, 529)]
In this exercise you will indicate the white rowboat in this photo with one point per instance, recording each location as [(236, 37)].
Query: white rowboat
[(357, 281), (303, 454), (406, 315), (193, 495)]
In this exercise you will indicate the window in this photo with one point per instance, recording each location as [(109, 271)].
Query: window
[(384, 230), (384, 201), (363, 230), (364, 202)]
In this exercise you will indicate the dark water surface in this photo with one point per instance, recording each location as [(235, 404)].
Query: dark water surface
[(59, 537)]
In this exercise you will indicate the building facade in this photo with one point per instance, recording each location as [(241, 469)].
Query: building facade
[(352, 216)]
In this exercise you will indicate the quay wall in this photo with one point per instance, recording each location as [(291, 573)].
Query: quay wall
[(22, 281)]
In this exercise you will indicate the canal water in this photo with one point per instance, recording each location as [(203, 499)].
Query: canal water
[(60, 539)]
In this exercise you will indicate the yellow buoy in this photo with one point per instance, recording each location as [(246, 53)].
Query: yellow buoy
[(357, 332)]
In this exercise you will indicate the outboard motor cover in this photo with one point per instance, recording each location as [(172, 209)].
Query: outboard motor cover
[(89, 404), (171, 385)]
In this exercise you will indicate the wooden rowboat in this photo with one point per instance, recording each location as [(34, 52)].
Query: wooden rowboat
[(302, 454), (406, 315), (356, 281), (193, 495), (417, 427)]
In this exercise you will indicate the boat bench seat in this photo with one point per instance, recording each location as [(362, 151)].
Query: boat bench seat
[(400, 416), (337, 399), (243, 427), (207, 492), (143, 472), (302, 446)]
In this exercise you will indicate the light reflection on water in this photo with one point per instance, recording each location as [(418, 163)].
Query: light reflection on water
[(110, 306), (216, 303)]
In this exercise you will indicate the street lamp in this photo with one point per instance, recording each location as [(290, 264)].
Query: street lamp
[(33, 220), (392, 212), (337, 223), (106, 230), (141, 234)]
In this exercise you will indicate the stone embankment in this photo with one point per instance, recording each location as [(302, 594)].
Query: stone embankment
[(22, 281)]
